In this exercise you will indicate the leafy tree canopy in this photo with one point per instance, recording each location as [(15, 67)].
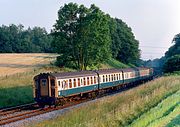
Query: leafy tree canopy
[(81, 36), (14, 38), (124, 45), (172, 64), (175, 49), (173, 56)]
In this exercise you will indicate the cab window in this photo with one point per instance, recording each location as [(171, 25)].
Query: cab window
[(43, 82)]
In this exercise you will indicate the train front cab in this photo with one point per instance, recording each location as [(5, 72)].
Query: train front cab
[(45, 90)]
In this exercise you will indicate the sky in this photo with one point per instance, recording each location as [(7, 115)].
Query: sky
[(153, 22)]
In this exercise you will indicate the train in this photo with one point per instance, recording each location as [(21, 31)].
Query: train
[(58, 88)]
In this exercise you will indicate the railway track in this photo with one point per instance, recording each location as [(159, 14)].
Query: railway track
[(7, 111), (19, 113)]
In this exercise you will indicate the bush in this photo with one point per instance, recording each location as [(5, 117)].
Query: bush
[(172, 64)]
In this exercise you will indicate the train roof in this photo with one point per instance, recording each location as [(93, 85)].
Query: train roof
[(64, 75), (73, 74), (106, 71)]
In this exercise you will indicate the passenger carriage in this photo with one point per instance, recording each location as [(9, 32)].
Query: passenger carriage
[(51, 88)]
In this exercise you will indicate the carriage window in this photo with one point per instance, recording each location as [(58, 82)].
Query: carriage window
[(106, 78), (44, 82), (79, 82), (112, 77), (59, 83), (70, 83), (117, 77), (65, 84), (109, 77), (62, 84), (91, 80), (94, 80), (103, 78), (132, 74), (84, 81), (74, 82), (87, 80)]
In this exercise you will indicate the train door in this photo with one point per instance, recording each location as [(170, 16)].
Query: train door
[(61, 84), (64, 87), (53, 88), (44, 87), (36, 89)]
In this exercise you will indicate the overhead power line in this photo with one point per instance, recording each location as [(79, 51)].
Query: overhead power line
[(151, 53), (153, 47)]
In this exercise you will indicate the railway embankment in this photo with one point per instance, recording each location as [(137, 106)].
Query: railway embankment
[(122, 109)]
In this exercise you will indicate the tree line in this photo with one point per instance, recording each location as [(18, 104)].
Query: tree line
[(172, 56), (16, 39), (85, 37), (171, 61)]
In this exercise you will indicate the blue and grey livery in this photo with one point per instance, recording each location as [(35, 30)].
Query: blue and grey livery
[(50, 87)]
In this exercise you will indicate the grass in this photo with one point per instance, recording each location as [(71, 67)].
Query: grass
[(123, 109), (162, 114), (174, 122), (112, 63), (173, 73)]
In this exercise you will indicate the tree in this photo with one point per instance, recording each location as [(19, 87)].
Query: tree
[(175, 49), (172, 64), (124, 45), (14, 38), (173, 56), (93, 38), (81, 36)]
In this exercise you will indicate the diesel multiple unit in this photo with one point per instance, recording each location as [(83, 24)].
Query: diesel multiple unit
[(53, 88)]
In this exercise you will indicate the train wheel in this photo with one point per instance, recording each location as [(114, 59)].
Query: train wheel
[(60, 102), (41, 105)]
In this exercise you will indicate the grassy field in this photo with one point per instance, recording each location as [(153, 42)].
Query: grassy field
[(155, 103), (16, 74), (17, 63), (16, 89)]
